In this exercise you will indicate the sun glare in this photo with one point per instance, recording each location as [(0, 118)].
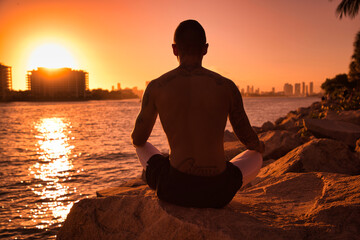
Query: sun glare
[(51, 55)]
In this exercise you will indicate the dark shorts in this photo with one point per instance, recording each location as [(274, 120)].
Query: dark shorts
[(187, 190)]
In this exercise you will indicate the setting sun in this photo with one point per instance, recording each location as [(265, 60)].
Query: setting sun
[(51, 55)]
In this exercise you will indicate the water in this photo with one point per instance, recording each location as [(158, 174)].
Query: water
[(54, 154)]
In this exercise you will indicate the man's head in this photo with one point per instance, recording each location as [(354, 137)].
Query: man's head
[(190, 39)]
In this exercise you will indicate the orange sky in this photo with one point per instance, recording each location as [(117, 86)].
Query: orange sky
[(254, 42)]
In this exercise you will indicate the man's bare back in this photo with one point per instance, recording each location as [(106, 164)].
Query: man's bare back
[(193, 105)]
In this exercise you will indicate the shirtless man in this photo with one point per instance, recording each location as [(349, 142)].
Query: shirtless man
[(193, 104)]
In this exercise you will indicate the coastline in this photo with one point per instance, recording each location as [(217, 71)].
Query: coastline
[(306, 149)]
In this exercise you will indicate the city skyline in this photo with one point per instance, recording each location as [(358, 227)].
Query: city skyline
[(288, 88), (298, 89), (255, 43)]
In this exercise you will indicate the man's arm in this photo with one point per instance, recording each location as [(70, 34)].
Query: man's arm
[(146, 119), (240, 122)]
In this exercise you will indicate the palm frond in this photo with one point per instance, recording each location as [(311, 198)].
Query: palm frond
[(348, 8)]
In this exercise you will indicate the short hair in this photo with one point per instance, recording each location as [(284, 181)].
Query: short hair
[(190, 37)]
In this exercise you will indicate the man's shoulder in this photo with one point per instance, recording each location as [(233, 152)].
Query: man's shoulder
[(219, 79), (163, 79)]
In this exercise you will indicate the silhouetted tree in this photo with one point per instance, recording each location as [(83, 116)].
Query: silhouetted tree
[(341, 94), (354, 68), (348, 8), (339, 83)]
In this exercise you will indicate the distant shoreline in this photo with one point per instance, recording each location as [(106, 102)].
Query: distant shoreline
[(109, 97)]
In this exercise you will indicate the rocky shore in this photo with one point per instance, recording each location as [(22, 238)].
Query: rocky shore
[(308, 188)]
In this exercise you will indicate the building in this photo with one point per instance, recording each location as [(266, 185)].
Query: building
[(57, 84), (288, 89), (297, 89), (311, 88), (303, 89), (137, 92), (5, 81)]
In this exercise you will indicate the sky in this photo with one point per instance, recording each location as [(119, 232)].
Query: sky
[(259, 43)]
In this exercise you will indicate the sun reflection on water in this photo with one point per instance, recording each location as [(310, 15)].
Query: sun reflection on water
[(52, 170)]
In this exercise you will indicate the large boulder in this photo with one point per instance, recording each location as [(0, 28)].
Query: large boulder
[(290, 122), (279, 142), (351, 116), (232, 149), (290, 206), (318, 155), (339, 130), (267, 126), (229, 136)]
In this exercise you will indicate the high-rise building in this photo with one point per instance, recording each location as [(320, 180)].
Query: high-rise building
[(5, 81), (118, 87), (303, 89), (297, 89), (288, 89), (243, 92), (60, 83), (311, 88)]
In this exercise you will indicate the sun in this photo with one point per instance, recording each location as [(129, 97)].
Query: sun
[(51, 55)]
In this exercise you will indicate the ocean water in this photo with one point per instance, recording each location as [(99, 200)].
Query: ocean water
[(53, 154)]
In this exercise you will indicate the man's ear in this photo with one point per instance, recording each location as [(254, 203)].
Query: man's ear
[(175, 50), (205, 49)]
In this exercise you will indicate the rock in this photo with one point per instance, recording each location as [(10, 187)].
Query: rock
[(267, 126), (257, 129), (318, 155), (229, 136), (232, 149), (342, 131), (338, 206), (279, 120), (316, 106), (357, 147), (351, 116), (133, 185), (290, 206), (302, 111), (278, 143), (288, 124)]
